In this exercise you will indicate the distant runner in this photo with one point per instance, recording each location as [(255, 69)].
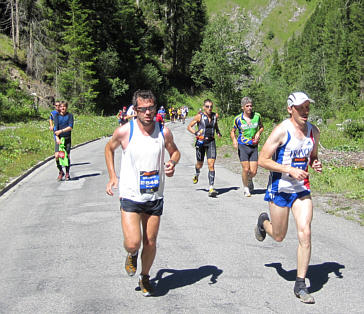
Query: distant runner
[(250, 127), (290, 148), (205, 142), (63, 125)]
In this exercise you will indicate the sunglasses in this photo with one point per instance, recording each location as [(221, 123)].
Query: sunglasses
[(208, 107), (144, 109)]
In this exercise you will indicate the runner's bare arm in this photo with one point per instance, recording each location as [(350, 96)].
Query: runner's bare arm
[(66, 129), (275, 139), (259, 133), (314, 162), (119, 138), (173, 151), (217, 129), (233, 137), (195, 120)]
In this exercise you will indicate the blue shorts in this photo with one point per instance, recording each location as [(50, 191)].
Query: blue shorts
[(284, 199), (154, 208)]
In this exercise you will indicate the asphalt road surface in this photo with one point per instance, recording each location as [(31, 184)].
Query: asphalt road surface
[(61, 247)]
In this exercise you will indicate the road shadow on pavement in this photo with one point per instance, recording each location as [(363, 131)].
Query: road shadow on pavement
[(258, 191), (80, 164), (168, 279), (222, 190), (85, 176), (317, 274)]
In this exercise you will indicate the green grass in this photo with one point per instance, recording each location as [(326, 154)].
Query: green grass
[(347, 181), (6, 47), (279, 21), (22, 145)]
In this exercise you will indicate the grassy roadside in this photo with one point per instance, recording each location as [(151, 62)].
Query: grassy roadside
[(22, 145)]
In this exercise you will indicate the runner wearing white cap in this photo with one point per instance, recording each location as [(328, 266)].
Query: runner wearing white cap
[(288, 151)]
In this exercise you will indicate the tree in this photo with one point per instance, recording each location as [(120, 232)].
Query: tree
[(224, 60), (77, 80)]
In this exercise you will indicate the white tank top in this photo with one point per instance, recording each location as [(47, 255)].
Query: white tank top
[(296, 153), (142, 165)]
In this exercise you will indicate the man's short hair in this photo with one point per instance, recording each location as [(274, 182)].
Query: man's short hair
[(246, 100), (64, 103), (207, 101), (144, 94)]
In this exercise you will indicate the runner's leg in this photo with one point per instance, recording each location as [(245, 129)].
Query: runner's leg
[(253, 167), (278, 225), (302, 212), (150, 233), (130, 223), (245, 172)]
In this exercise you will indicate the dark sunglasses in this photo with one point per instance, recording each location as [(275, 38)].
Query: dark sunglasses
[(208, 107), (144, 109)]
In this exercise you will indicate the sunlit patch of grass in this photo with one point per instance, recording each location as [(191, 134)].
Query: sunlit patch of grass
[(343, 180)]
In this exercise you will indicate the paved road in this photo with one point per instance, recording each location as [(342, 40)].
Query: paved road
[(61, 248)]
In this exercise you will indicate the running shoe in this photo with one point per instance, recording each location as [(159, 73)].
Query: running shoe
[(195, 179), (212, 192), (145, 286), (67, 178), (304, 296), (60, 176), (260, 233), (131, 263), (247, 192), (250, 185)]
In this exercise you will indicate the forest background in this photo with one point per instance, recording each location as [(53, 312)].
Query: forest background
[(95, 54)]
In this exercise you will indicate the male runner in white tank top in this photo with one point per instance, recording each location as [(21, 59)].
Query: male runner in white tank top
[(141, 182), (288, 151)]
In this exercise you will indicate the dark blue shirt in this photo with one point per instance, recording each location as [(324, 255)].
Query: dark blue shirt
[(62, 122), (53, 114)]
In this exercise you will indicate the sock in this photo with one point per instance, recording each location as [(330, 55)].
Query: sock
[(211, 177), (197, 172), (299, 284), (58, 165), (69, 165)]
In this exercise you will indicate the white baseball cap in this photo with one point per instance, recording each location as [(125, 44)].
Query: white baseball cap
[(297, 99)]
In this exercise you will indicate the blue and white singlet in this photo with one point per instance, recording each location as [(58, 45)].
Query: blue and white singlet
[(295, 153)]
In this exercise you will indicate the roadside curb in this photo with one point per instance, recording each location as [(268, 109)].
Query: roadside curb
[(15, 181)]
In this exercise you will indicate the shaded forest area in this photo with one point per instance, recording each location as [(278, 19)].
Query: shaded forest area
[(96, 53)]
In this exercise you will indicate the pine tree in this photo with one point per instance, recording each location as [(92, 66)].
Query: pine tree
[(77, 80)]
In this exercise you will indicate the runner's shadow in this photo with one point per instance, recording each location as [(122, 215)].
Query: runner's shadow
[(225, 190), (317, 274), (259, 191), (85, 176), (80, 164), (168, 279), (222, 190)]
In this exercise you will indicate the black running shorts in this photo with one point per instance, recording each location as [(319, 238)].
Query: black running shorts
[(67, 143), (207, 148), (154, 208), (248, 153)]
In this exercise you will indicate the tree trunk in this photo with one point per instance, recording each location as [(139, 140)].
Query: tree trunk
[(30, 51), (15, 51), (17, 24)]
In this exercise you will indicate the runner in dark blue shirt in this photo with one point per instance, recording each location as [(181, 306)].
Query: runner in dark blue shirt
[(63, 125)]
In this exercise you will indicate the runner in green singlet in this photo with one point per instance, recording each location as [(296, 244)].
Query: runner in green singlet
[(250, 127)]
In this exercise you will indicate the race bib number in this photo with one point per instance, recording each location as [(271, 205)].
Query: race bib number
[(299, 162), (61, 154), (149, 181)]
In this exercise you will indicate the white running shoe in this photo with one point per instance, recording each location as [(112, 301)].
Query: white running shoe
[(246, 192)]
